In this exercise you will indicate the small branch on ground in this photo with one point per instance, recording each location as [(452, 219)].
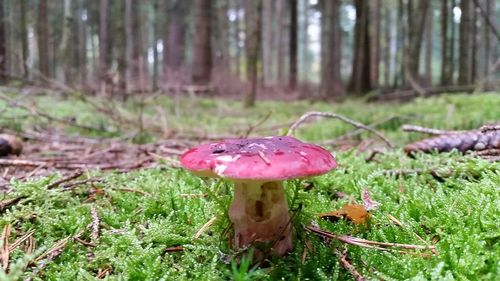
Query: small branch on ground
[(10, 202), (94, 235), (65, 179), (5, 250), (344, 261), (21, 240), (252, 127), (382, 246), (430, 131), (356, 124), (204, 227)]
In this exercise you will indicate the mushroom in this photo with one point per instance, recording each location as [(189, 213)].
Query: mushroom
[(258, 166)]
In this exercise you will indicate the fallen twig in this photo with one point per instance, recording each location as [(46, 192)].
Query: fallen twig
[(20, 240), (10, 202), (383, 246), (430, 131), (65, 179), (174, 249), (348, 265), (5, 251), (94, 235), (342, 118), (204, 227), (134, 191)]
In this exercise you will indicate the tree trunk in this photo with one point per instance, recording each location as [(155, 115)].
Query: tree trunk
[(428, 45), (155, 27), (82, 43), (253, 10), (64, 52), (121, 39), (331, 85), (136, 76), (374, 42), (465, 47), (103, 41), (43, 39), (360, 76), (293, 44), (3, 47), (279, 40), (202, 53), (175, 39), (221, 38), (24, 39), (267, 46), (416, 24), (446, 60)]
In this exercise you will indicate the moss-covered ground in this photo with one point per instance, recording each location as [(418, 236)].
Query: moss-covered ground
[(458, 211)]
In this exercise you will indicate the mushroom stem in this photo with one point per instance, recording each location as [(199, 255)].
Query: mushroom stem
[(259, 213)]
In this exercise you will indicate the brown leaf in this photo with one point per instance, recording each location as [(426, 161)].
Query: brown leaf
[(353, 212)]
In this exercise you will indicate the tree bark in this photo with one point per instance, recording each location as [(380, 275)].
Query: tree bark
[(465, 47), (267, 36), (121, 47), (360, 76), (293, 45), (416, 24), (374, 42), (3, 47), (103, 40), (175, 39), (24, 39), (446, 60), (43, 39), (279, 40), (155, 27), (253, 11), (202, 53), (331, 85), (428, 45)]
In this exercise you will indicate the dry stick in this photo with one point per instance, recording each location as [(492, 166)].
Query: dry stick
[(400, 224), (94, 235), (252, 127), (5, 247), (204, 227), (430, 131), (50, 255), (21, 239), (21, 162), (124, 189), (383, 246), (348, 266), (342, 118), (65, 179)]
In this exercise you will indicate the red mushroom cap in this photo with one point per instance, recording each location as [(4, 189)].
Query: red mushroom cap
[(270, 158)]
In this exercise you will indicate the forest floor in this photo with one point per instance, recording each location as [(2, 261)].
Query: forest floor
[(98, 192)]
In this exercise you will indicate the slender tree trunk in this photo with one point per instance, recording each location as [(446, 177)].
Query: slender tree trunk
[(465, 47), (400, 44), (155, 41), (293, 44), (64, 52), (488, 47), (474, 48), (253, 11), (121, 47), (428, 47), (82, 43), (360, 76), (388, 40), (267, 36), (453, 41), (175, 39), (43, 39), (202, 53), (445, 44), (374, 42), (221, 41), (304, 59), (331, 85), (24, 39), (279, 40), (103, 41), (3, 47), (416, 23)]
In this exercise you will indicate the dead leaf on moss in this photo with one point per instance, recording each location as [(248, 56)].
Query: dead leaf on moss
[(353, 212), (369, 203)]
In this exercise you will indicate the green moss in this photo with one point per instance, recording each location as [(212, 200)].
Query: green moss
[(459, 210)]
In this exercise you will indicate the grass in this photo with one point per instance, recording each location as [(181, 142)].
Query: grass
[(458, 212)]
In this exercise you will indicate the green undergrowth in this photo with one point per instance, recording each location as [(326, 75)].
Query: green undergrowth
[(453, 202)]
